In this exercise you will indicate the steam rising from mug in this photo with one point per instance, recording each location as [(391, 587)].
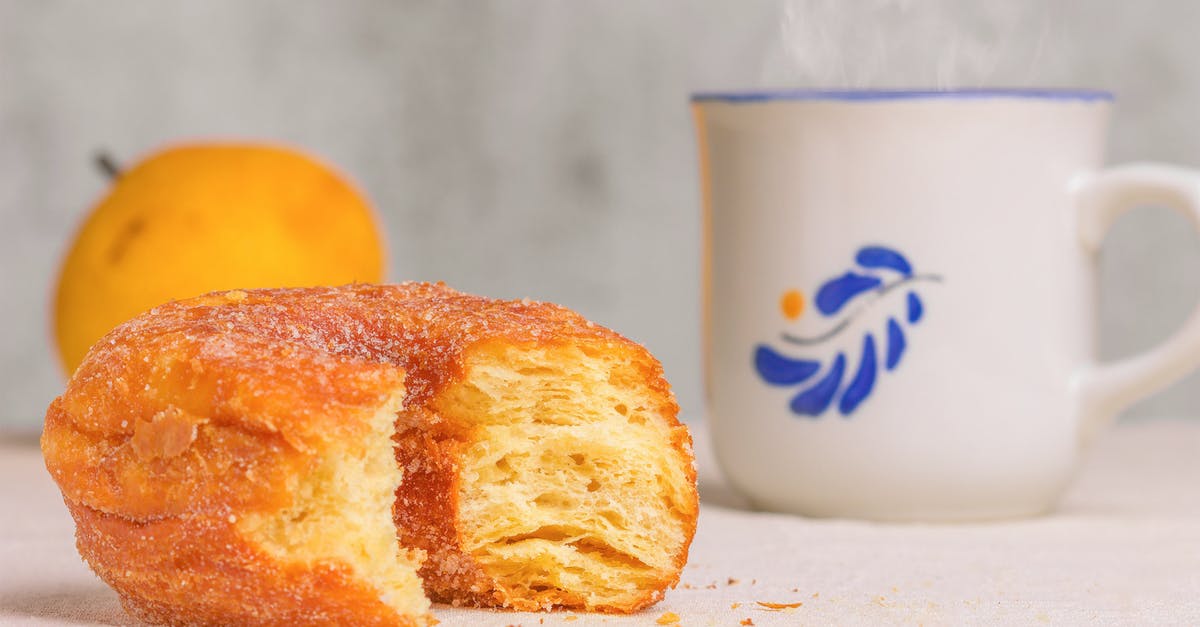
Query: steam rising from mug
[(915, 43)]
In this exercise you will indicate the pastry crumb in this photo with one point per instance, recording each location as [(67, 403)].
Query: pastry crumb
[(734, 606), (731, 582), (746, 621), (668, 618), (779, 606)]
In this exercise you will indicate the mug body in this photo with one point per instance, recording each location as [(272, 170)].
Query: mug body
[(896, 299)]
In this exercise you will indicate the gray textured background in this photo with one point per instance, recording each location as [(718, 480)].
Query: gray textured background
[(544, 148)]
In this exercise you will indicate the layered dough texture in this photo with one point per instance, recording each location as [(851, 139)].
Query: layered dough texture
[(323, 455)]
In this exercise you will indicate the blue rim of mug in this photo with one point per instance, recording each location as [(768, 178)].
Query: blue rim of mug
[(872, 95)]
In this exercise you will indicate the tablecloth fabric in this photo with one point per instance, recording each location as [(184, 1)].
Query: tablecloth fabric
[(1123, 548)]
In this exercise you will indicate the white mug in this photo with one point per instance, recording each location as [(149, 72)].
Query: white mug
[(900, 296)]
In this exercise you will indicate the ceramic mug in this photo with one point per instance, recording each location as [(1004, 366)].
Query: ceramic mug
[(900, 296)]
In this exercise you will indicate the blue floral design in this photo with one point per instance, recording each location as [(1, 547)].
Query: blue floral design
[(879, 270)]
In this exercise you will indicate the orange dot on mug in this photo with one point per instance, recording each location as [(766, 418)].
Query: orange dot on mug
[(792, 304)]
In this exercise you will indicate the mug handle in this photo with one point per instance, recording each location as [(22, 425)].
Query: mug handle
[(1108, 388)]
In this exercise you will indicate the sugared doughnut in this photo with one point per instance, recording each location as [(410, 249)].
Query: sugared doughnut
[(251, 457)]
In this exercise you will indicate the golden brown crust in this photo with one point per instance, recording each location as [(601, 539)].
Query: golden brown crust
[(197, 571), (198, 410), (187, 418)]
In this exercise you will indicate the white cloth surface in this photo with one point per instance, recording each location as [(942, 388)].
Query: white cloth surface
[(1123, 548)]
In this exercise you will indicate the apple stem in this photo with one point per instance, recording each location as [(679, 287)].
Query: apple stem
[(107, 165)]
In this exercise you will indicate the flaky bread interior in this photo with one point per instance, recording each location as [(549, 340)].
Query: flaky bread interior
[(341, 513), (574, 490)]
